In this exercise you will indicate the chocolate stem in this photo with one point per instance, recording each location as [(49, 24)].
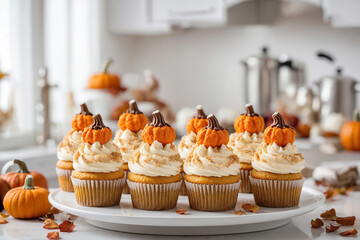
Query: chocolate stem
[(214, 123), (158, 120), (133, 109), (98, 123), (200, 112), (250, 110), (106, 65), (279, 121), (84, 110)]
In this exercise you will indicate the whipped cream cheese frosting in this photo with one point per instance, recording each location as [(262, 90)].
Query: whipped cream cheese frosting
[(280, 160), (97, 158), (212, 162), (156, 160), (187, 142), (127, 141), (244, 145), (69, 145)]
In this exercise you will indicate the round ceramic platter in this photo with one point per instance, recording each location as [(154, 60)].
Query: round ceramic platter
[(128, 219)]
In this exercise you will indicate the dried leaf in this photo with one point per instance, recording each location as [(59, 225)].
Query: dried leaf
[(330, 193), (181, 211), (346, 221), (2, 220), (329, 215), (332, 228), (351, 232), (4, 215), (239, 212), (344, 190), (53, 235), (50, 224), (47, 216), (317, 223), (250, 207), (66, 226)]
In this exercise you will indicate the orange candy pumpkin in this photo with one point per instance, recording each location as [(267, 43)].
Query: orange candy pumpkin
[(83, 119), (198, 122), (350, 134), (249, 122), (278, 132), (97, 132), (158, 130), (105, 80), (213, 135), (133, 119)]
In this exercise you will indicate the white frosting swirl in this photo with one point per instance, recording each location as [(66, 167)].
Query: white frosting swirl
[(244, 145), (97, 158), (279, 160), (127, 141), (155, 160), (212, 162), (69, 145), (187, 142)]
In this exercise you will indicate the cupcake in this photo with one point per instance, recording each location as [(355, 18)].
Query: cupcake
[(244, 141), (69, 146), (128, 138), (212, 170), (154, 179), (98, 179), (188, 141), (276, 179)]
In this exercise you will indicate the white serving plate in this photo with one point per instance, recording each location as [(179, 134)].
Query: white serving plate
[(125, 218)]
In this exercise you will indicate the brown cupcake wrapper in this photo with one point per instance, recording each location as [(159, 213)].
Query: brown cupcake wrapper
[(126, 189), (64, 178), (183, 191), (245, 185), (276, 193), (160, 196), (212, 197), (98, 193)]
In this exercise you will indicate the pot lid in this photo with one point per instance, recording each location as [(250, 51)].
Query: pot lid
[(338, 77)]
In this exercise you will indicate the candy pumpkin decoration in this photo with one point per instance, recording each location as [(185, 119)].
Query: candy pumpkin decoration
[(158, 130), (4, 188), (213, 135), (105, 79), (17, 179), (350, 134), (278, 132), (83, 119), (97, 132), (198, 122), (27, 201), (132, 119), (249, 122)]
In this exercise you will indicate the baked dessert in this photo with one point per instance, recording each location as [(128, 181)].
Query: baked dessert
[(98, 179), (128, 138), (212, 170), (276, 179), (244, 142), (154, 179), (69, 145), (337, 176)]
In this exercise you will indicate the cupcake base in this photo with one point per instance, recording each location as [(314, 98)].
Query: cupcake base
[(245, 185), (64, 178)]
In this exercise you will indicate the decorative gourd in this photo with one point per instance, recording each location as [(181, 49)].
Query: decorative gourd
[(83, 119), (158, 130), (198, 122), (213, 135), (17, 179), (350, 134), (4, 188), (27, 201), (249, 122), (97, 132), (278, 132), (104, 80), (133, 119)]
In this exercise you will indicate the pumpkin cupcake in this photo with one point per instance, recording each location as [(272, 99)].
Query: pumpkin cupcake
[(212, 170), (128, 138), (98, 179), (69, 146), (188, 141), (244, 141), (276, 179), (154, 179)]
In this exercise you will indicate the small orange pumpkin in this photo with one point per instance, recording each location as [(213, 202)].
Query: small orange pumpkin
[(133, 119), (350, 134), (27, 201), (17, 179), (198, 122), (158, 130), (83, 119), (97, 132), (4, 188), (105, 80), (278, 132), (213, 135), (249, 122)]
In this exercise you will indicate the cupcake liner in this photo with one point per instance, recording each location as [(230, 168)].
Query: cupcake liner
[(212, 197), (160, 196), (245, 185), (276, 193), (64, 178), (98, 193), (126, 189), (183, 186)]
